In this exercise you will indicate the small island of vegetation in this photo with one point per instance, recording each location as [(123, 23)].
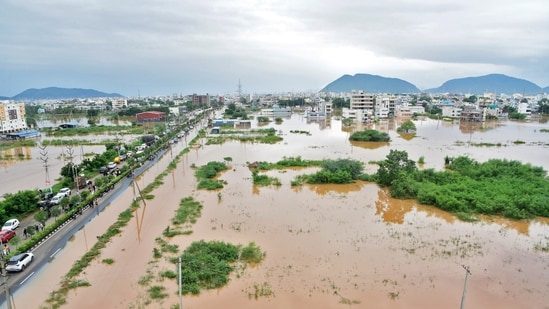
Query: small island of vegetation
[(370, 135)]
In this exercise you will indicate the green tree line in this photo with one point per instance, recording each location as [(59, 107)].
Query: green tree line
[(496, 187)]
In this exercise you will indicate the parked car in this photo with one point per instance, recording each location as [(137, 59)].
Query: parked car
[(57, 199), (65, 191), (44, 204), (11, 225), (19, 262), (103, 170), (111, 165), (6, 235)]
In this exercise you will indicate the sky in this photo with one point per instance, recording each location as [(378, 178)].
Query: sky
[(165, 47)]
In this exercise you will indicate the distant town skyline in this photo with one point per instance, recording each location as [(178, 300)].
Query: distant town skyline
[(161, 48)]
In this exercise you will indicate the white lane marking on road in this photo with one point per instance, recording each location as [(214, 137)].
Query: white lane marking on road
[(58, 249), (26, 278)]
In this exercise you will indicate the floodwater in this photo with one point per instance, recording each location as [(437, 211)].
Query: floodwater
[(55, 121), (327, 246), (23, 168)]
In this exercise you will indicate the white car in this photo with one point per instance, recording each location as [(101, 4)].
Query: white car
[(19, 262), (57, 199), (65, 191), (111, 165), (11, 225)]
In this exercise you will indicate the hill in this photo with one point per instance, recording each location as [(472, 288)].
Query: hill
[(62, 93), (370, 83), (494, 83)]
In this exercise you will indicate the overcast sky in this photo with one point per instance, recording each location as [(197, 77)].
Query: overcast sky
[(181, 46)]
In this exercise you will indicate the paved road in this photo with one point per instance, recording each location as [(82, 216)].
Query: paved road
[(50, 247)]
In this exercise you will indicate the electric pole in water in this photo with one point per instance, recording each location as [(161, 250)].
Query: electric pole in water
[(467, 273)]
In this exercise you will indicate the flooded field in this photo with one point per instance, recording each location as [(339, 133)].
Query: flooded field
[(327, 246), (23, 168)]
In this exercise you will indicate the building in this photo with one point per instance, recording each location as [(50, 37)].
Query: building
[(24, 134), (404, 112), (385, 106), (451, 111), (361, 106), (12, 117), (471, 114), (276, 111), (150, 116), (201, 99), (119, 103)]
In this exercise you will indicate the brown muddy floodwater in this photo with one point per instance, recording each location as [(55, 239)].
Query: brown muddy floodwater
[(22, 168), (327, 246)]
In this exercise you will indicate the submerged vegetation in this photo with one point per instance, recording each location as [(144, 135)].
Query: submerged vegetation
[(207, 265), (370, 135), (206, 174), (263, 136), (467, 187)]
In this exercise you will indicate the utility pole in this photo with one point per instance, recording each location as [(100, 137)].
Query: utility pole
[(467, 273), (180, 295), (44, 157)]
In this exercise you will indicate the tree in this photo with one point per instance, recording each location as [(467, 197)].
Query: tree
[(544, 106), (14, 241), (390, 169), (55, 211), (407, 126), (340, 103), (93, 112), (41, 216), (70, 170), (471, 99)]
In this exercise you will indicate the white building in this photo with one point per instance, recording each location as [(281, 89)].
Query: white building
[(119, 103), (451, 111), (12, 117), (361, 107)]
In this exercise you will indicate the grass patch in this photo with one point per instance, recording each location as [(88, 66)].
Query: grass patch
[(107, 261), (264, 180), (207, 265), (189, 210), (261, 290), (168, 274), (157, 292), (252, 254)]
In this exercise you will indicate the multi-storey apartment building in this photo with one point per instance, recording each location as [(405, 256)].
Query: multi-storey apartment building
[(385, 106), (12, 117), (361, 106), (201, 99), (119, 103)]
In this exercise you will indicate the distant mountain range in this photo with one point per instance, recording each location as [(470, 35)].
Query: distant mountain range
[(495, 83), (60, 93)]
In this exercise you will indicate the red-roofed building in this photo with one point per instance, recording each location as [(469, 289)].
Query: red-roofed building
[(150, 116)]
